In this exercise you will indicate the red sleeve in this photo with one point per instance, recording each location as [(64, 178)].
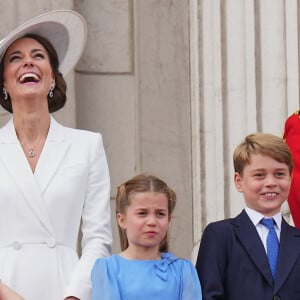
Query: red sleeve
[(292, 138)]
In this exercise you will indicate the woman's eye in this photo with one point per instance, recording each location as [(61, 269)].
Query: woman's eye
[(39, 55), (14, 58)]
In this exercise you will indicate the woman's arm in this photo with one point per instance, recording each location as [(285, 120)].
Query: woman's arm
[(8, 294), (95, 227)]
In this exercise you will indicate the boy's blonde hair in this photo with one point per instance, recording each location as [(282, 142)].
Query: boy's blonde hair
[(264, 144)]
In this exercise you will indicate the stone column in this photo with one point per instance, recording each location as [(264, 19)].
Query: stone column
[(245, 78), (134, 79)]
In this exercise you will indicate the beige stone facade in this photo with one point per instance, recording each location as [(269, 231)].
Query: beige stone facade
[(173, 86)]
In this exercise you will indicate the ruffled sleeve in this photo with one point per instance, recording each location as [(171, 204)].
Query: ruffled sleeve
[(191, 288), (104, 285)]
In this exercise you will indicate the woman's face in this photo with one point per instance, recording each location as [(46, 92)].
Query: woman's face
[(27, 70)]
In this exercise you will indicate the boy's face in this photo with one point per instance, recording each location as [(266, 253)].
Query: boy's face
[(265, 184)]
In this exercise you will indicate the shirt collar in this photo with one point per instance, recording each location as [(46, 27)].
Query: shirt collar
[(256, 217)]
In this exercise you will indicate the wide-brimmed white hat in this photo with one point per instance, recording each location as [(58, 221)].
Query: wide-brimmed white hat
[(65, 29)]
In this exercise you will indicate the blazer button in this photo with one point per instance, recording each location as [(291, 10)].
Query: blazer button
[(16, 245), (51, 243), (276, 297)]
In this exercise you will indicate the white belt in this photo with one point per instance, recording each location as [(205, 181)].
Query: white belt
[(50, 243)]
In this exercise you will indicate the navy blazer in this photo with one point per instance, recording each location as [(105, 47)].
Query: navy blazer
[(232, 263)]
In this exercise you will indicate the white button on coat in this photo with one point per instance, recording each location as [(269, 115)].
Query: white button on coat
[(51, 243), (16, 245)]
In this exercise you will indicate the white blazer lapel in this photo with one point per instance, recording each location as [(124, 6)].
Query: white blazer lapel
[(51, 158), (17, 166)]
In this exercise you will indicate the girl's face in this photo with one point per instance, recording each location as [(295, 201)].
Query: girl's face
[(146, 221), (27, 69), (265, 184)]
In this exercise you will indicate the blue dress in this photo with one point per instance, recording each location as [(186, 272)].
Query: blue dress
[(170, 278)]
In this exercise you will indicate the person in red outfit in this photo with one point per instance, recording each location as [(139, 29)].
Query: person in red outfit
[(292, 137)]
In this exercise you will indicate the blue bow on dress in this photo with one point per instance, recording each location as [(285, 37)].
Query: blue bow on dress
[(161, 267)]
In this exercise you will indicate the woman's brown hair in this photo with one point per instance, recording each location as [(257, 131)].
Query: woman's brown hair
[(59, 93)]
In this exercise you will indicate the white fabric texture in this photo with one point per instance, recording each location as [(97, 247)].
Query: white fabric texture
[(42, 213)]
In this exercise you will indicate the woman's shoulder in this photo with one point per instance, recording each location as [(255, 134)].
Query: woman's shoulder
[(84, 138), (76, 132), (58, 127)]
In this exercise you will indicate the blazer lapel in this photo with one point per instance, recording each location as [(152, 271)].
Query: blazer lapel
[(248, 236), (17, 166), (288, 253), (52, 155)]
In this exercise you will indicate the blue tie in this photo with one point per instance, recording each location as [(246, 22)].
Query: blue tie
[(272, 244)]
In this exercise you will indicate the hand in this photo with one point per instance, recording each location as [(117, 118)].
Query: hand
[(8, 294)]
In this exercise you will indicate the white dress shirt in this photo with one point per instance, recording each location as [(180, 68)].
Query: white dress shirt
[(262, 230)]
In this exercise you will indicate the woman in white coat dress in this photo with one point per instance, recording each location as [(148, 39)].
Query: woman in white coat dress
[(54, 180)]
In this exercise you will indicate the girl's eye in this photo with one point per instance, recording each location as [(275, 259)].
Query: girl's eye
[(142, 213), (161, 214)]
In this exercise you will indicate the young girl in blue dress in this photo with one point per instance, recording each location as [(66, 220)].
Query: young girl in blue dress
[(144, 269)]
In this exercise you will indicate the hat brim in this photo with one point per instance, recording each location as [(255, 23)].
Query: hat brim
[(65, 29)]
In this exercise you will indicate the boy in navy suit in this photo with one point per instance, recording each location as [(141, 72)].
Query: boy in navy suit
[(241, 258)]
